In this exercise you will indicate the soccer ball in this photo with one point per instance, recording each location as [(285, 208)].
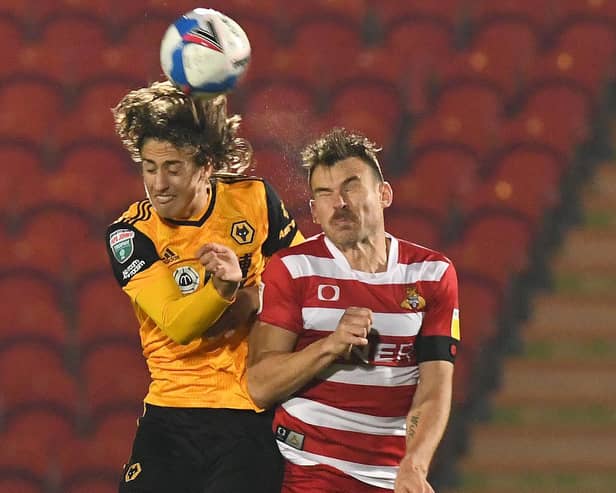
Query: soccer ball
[(204, 53)]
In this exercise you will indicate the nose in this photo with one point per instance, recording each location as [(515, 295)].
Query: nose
[(160, 182), (339, 201)]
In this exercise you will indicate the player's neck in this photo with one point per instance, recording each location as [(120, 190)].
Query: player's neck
[(199, 205), (369, 255)]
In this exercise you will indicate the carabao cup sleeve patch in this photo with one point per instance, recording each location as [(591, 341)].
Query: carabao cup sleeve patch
[(130, 251)]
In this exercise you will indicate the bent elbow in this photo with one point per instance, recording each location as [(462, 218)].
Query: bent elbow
[(257, 392), (177, 336)]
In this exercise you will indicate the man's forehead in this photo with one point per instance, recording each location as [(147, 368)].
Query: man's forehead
[(341, 170)]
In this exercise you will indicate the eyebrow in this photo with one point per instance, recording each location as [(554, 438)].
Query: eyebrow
[(168, 161), (345, 182)]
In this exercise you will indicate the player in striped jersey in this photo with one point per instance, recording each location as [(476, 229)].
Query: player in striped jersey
[(357, 336), (182, 256)]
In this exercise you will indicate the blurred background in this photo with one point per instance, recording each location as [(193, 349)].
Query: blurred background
[(496, 119)]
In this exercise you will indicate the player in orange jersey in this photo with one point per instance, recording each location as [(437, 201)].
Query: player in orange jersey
[(189, 257)]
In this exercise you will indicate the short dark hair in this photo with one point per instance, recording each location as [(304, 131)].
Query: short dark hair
[(339, 144), (163, 112)]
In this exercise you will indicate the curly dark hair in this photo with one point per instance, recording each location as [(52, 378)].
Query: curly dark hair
[(201, 126), (339, 144)]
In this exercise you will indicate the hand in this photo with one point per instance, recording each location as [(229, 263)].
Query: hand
[(352, 330), (411, 478), (222, 262)]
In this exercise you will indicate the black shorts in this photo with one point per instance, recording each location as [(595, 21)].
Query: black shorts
[(179, 450)]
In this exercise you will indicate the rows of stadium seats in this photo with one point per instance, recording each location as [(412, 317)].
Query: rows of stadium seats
[(480, 107)]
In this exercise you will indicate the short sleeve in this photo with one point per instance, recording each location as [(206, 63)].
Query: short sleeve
[(280, 303), (130, 251), (281, 225), (440, 330)]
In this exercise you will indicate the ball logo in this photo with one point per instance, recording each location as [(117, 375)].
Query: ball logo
[(187, 279), (328, 292)]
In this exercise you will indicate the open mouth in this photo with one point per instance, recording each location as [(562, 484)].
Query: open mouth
[(164, 199)]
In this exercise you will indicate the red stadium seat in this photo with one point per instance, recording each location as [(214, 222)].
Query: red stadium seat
[(104, 312), (91, 117), (525, 179), (564, 11), (116, 376), (22, 483), (119, 422), (24, 182), (480, 303), (31, 107), (323, 49), (107, 164), (370, 106), (468, 112), (413, 226), (281, 110), (33, 311), (438, 179), (494, 245), (71, 46), (451, 11), (584, 52), (136, 54), (555, 113), (48, 426), (353, 10), (418, 49), (88, 462), (501, 51), (11, 46), (63, 229), (93, 485), (537, 13), (32, 374), (281, 167)]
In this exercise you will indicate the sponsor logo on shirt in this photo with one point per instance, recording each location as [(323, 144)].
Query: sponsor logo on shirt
[(121, 243), (328, 292), (132, 269), (290, 437), (187, 279), (169, 256)]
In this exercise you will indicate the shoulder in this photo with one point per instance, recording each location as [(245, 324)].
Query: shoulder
[(313, 246), (141, 211), (234, 181), (412, 252)]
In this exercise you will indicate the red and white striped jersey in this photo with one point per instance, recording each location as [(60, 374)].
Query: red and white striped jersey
[(352, 415)]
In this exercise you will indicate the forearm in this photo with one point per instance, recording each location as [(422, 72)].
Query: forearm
[(182, 318), (425, 425), (277, 375)]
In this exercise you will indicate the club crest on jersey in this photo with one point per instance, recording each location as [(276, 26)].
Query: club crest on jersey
[(242, 232), (187, 279), (121, 243), (132, 472), (413, 300)]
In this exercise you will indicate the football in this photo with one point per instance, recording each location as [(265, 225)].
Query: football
[(204, 53)]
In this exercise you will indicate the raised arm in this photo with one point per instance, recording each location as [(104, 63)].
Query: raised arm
[(275, 371)]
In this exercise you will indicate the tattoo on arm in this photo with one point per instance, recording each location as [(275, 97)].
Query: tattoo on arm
[(413, 423)]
